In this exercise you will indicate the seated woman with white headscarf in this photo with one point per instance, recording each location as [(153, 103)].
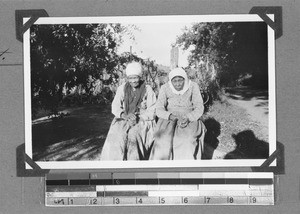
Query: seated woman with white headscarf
[(130, 136), (179, 133)]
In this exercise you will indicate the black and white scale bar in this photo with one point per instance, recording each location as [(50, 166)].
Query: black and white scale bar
[(162, 194), (160, 189), (163, 200), (159, 181)]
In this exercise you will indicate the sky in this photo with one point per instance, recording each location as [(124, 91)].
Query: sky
[(154, 41)]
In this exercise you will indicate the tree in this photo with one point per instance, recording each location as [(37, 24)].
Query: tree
[(65, 56), (232, 50)]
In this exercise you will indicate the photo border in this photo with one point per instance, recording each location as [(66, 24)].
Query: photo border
[(151, 164)]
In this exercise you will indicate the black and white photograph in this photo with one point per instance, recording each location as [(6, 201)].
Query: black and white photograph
[(149, 91)]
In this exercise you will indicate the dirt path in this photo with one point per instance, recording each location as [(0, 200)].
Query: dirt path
[(256, 112), (255, 102), (238, 125), (80, 135)]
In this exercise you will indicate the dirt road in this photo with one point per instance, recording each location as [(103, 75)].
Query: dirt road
[(255, 102)]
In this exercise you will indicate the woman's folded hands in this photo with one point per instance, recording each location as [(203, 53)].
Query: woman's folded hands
[(182, 121), (130, 118)]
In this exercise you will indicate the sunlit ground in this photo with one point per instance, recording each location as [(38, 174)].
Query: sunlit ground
[(233, 132)]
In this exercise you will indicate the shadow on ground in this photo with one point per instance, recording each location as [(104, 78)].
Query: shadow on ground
[(79, 136), (248, 147), (211, 141)]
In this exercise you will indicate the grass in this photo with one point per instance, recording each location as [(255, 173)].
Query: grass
[(78, 136), (232, 134)]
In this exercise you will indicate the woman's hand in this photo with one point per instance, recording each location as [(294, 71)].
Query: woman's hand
[(183, 122), (173, 117), (131, 118), (144, 105), (128, 116)]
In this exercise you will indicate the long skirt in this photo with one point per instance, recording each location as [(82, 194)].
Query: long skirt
[(173, 142), (128, 143)]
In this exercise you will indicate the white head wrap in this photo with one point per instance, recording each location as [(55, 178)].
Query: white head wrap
[(181, 73), (134, 68)]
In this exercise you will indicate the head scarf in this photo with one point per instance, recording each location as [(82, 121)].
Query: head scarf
[(181, 73), (134, 68)]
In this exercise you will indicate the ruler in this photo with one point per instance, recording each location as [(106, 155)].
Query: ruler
[(140, 189)]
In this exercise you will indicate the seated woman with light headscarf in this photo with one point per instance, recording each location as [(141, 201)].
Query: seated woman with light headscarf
[(179, 133), (130, 136)]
